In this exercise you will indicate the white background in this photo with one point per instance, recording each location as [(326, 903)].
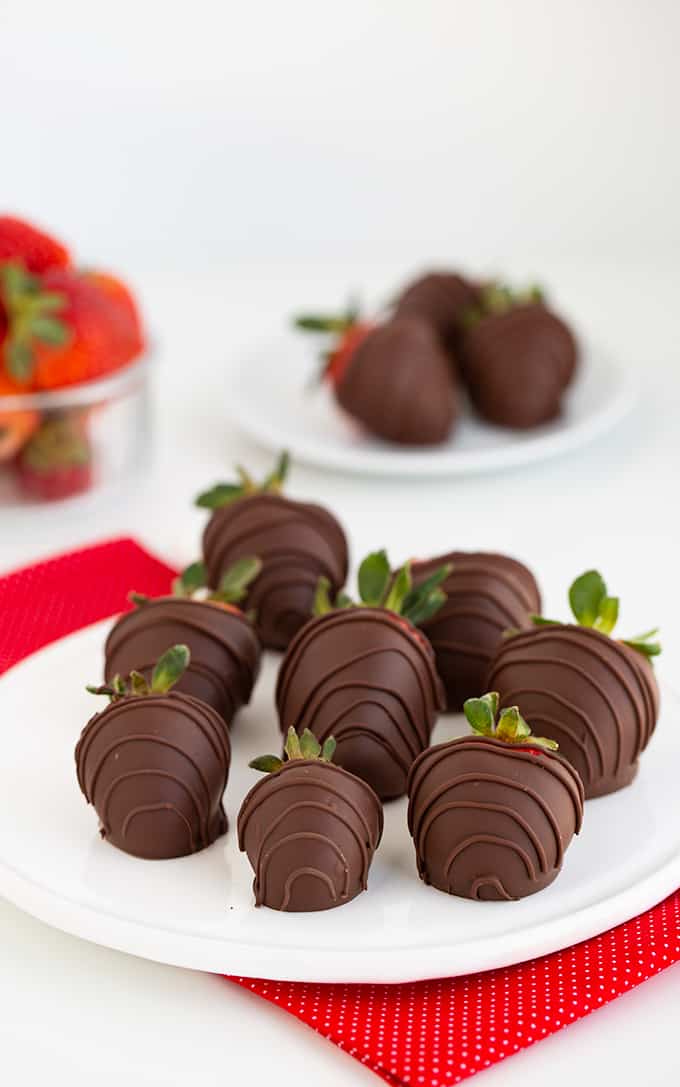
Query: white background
[(242, 159)]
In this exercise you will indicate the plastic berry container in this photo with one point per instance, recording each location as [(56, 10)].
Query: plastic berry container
[(73, 441)]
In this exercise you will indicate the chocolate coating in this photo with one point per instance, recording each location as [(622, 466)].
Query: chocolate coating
[(297, 542), (368, 678), (155, 767), (585, 690), (225, 650), (310, 831), (491, 820), (441, 299), (398, 384), (486, 594), (517, 365)]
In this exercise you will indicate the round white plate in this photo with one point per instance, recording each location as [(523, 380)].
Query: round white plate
[(273, 399), (198, 911)]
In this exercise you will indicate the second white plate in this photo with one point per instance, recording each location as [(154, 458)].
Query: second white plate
[(270, 398), (198, 911)]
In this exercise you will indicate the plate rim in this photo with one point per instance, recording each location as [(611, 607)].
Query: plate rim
[(443, 462), (241, 957)]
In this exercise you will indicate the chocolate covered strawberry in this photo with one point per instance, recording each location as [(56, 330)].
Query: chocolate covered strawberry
[(225, 650), (310, 829), (595, 695), (393, 378), (154, 764), (365, 674), (492, 814), (296, 542), (517, 357)]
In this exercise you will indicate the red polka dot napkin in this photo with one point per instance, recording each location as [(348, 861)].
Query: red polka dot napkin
[(432, 1033)]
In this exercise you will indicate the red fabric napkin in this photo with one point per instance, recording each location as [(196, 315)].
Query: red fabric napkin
[(432, 1033)]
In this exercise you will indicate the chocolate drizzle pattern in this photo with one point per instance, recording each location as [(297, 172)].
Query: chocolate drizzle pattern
[(297, 543), (225, 650), (585, 690), (398, 384), (368, 678), (155, 768), (492, 820), (310, 831), (486, 594), (517, 365)]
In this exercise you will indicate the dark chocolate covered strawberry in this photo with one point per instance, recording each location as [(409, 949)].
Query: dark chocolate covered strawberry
[(366, 675), (394, 377), (310, 829), (154, 764), (492, 814), (225, 650), (517, 357), (595, 695), (296, 543)]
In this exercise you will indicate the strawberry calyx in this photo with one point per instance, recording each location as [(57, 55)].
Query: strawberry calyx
[(59, 442), (496, 298), (303, 746), (222, 494), (508, 725), (32, 315), (167, 671), (379, 587), (234, 584), (347, 330), (592, 607)]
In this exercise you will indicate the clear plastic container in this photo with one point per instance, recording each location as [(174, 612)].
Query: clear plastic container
[(73, 441)]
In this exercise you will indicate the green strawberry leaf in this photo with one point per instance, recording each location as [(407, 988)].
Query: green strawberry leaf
[(374, 578), (328, 749), (586, 597), (401, 587), (343, 600), (322, 599), (138, 684), (268, 764), (420, 613), (292, 746), (609, 613), (511, 726), (192, 578), (235, 581), (170, 668), (480, 714), (49, 330), (539, 621), (309, 745), (220, 495)]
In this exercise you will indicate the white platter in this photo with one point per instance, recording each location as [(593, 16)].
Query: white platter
[(198, 911), (271, 400)]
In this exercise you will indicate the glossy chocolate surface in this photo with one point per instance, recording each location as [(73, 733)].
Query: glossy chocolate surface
[(398, 384), (492, 820), (155, 768), (517, 365), (486, 594), (368, 678), (297, 542), (585, 690), (225, 650), (310, 831)]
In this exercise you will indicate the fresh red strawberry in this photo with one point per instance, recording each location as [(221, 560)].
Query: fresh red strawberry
[(33, 249), (65, 327), (57, 461)]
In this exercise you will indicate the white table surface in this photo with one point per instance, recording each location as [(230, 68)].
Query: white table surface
[(74, 1013)]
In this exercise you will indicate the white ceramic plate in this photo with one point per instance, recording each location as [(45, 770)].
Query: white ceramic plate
[(271, 399), (198, 911)]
